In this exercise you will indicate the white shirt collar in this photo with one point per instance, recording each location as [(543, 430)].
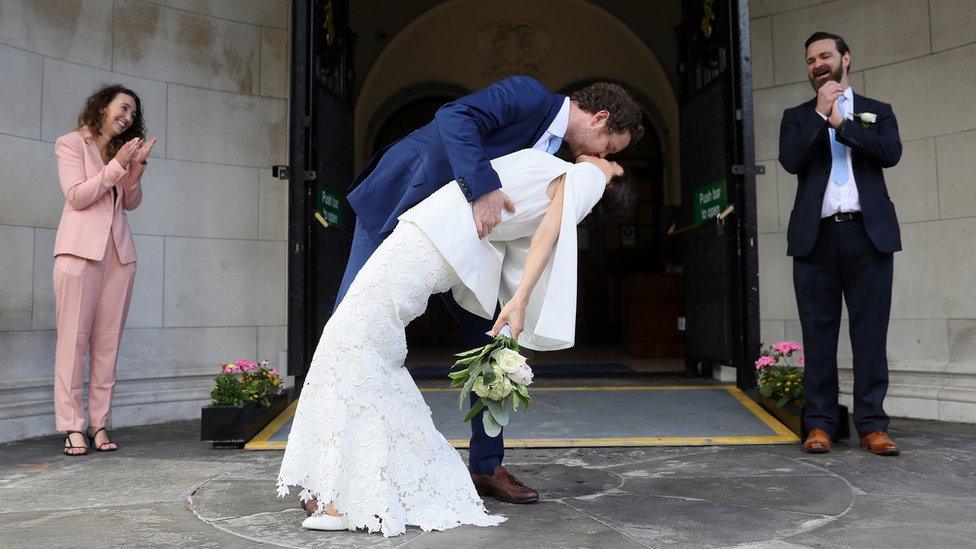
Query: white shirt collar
[(561, 122)]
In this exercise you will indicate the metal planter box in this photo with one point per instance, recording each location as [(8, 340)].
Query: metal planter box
[(233, 426)]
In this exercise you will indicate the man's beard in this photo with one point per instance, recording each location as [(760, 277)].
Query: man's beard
[(836, 76)]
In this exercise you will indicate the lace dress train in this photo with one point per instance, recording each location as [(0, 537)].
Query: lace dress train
[(362, 436)]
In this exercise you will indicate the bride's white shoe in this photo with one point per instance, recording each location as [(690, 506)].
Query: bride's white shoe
[(325, 522)]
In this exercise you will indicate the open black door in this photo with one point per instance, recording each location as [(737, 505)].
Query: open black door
[(718, 187), (321, 158)]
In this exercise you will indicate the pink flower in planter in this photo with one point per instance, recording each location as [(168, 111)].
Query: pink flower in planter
[(230, 368), (765, 361), (787, 347), (275, 373), (247, 365), (803, 361)]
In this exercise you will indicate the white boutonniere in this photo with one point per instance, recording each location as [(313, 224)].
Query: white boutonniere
[(866, 118)]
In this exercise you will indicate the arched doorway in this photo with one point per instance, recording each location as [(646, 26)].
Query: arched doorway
[(415, 73)]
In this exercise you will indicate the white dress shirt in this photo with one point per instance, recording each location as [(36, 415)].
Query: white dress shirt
[(556, 130), (842, 198)]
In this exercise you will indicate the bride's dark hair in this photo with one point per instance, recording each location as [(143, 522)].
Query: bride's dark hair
[(618, 201)]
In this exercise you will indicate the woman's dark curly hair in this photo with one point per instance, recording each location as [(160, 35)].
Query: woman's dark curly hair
[(625, 113), (617, 203), (93, 114)]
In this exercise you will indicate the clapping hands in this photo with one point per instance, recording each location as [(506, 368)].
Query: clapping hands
[(827, 97), (135, 149)]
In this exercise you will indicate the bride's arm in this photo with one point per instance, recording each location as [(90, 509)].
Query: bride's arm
[(543, 242)]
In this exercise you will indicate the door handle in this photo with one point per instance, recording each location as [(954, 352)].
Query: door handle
[(320, 219)]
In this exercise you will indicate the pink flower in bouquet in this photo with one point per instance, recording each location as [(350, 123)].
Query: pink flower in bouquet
[(765, 361), (523, 375), (787, 347), (247, 365), (230, 368)]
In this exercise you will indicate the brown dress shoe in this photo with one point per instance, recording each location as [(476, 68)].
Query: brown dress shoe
[(879, 443), (817, 442), (502, 486)]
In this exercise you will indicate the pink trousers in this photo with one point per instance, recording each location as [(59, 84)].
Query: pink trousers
[(92, 302)]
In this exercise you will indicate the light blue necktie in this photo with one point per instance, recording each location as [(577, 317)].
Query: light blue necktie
[(838, 168), (554, 144)]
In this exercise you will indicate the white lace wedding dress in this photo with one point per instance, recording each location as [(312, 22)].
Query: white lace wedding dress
[(362, 437)]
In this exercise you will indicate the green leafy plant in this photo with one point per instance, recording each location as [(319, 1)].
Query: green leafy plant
[(779, 373), (246, 382)]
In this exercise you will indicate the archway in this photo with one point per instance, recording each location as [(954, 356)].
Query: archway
[(469, 44)]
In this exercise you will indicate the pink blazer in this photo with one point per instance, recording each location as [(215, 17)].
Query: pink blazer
[(90, 214)]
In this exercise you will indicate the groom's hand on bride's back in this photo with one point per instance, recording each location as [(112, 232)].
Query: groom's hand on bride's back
[(487, 211)]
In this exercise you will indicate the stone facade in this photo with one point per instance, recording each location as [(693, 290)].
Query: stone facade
[(921, 58), (212, 228)]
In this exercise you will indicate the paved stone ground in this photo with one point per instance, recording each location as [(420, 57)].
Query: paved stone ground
[(164, 488)]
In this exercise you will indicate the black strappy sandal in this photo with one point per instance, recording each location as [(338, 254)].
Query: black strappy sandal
[(67, 439), (99, 446)]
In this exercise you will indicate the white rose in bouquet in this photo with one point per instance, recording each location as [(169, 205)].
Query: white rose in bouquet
[(508, 360)]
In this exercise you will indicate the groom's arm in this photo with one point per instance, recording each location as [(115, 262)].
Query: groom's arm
[(464, 124), (797, 145), (882, 146)]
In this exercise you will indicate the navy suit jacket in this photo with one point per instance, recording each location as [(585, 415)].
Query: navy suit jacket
[(804, 150), (506, 116)]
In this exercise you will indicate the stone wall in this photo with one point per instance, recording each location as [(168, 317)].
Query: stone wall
[(212, 228), (919, 56)]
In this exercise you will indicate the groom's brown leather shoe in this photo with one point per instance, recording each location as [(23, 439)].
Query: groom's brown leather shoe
[(879, 443), (817, 442), (501, 485)]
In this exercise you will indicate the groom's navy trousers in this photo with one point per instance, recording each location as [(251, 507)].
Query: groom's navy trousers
[(486, 452)]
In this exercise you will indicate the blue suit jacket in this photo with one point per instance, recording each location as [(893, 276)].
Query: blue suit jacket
[(506, 116), (804, 150)]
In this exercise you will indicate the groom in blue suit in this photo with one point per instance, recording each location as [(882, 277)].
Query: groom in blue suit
[(512, 114), (842, 235)]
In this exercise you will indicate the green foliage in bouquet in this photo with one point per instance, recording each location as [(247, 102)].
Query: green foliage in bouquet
[(498, 374), (246, 382)]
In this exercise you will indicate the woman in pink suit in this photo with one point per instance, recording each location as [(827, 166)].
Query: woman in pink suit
[(100, 165)]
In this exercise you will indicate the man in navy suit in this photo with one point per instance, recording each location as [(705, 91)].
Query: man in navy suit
[(512, 114), (842, 235)]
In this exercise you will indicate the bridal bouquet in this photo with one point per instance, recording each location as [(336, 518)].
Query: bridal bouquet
[(499, 375)]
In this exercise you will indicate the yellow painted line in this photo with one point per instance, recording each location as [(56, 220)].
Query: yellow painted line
[(763, 415), (634, 441), (261, 441), (783, 435)]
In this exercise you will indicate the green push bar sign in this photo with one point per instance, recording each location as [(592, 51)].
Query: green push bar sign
[(330, 204), (710, 200)]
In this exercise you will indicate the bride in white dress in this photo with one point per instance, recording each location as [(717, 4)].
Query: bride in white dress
[(362, 438)]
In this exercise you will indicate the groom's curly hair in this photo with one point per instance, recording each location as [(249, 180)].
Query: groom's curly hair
[(617, 203), (625, 113)]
